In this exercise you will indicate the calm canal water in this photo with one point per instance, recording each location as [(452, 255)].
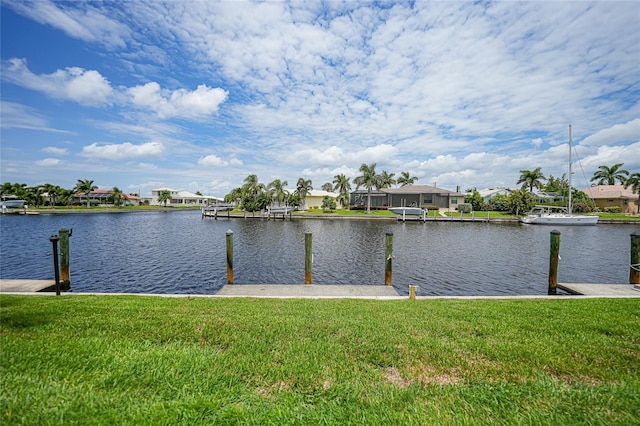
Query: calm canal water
[(178, 252)]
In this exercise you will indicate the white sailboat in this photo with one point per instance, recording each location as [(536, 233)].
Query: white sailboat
[(552, 215)]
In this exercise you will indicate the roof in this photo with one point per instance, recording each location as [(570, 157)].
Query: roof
[(421, 189), (493, 191), (610, 191), (320, 193)]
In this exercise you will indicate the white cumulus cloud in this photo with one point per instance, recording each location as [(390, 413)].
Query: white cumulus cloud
[(87, 87), (122, 151), (203, 101)]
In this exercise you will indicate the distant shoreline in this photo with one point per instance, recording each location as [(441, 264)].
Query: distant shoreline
[(632, 220)]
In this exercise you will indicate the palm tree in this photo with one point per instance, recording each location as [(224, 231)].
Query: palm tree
[(608, 175), (341, 183), (164, 196), (303, 187), (531, 178), (328, 187), (54, 192), (234, 197), (343, 199), (85, 186), (34, 195), (369, 179), (406, 179), (278, 191), (634, 182), (116, 196), (386, 179)]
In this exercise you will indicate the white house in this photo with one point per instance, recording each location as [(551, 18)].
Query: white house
[(179, 198), (488, 193), (315, 197)]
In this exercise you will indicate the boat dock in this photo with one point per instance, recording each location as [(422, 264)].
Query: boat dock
[(26, 286), (601, 290), (310, 291)]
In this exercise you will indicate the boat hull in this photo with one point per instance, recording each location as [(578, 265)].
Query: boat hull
[(573, 220), (408, 211)]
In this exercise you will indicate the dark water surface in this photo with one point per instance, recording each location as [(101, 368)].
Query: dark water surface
[(178, 252)]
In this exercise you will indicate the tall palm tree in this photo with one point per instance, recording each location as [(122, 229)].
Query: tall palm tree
[(303, 187), (53, 192), (341, 183), (343, 199), (85, 186), (328, 187), (608, 175), (531, 178), (278, 191), (386, 179), (34, 195), (116, 196), (634, 182), (164, 196), (406, 179), (369, 179)]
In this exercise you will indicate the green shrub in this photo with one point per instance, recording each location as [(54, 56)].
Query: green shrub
[(465, 208), (613, 209)]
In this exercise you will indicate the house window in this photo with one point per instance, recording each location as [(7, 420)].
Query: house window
[(428, 198), (454, 200)]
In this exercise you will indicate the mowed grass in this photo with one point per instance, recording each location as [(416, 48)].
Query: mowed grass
[(152, 360)]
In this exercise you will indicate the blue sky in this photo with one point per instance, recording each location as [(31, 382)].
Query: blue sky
[(197, 95)]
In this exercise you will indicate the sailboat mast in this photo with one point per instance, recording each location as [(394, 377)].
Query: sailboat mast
[(570, 169)]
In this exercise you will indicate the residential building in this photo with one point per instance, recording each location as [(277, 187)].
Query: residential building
[(315, 197), (102, 197), (180, 198), (614, 196), (425, 196), (488, 193)]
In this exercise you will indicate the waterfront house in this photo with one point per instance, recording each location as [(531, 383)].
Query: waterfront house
[(425, 196), (614, 196), (488, 193), (315, 197), (180, 198), (101, 197)]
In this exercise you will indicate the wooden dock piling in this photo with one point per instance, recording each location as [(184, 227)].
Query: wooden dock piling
[(308, 257), (388, 269), (553, 262), (634, 265), (65, 277), (229, 256)]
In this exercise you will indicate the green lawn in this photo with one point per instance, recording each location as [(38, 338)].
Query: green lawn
[(149, 360)]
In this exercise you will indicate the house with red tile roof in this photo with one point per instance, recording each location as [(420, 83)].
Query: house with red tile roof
[(614, 196)]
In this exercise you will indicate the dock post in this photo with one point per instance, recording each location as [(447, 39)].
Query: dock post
[(412, 292), (308, 257), (388, 269), (56, 267), (553, 262), (634, 267), (229, 256), (65, 277)]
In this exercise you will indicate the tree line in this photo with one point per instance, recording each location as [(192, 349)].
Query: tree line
[(254, 195), (523, 199), (55, 195)]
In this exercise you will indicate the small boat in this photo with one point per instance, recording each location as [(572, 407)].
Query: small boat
[(412, 210), (214, 209), (279, 210), (407, 211), (13, 204), (553, 215)]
